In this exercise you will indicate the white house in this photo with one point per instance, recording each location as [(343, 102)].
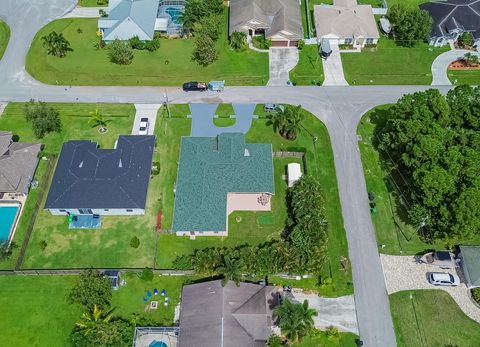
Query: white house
[(346, 22)]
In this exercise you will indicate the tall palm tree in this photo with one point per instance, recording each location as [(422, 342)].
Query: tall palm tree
[(90, 320), (286, 120), (98, 119), (231, 270), (56, 44), (295, 320)]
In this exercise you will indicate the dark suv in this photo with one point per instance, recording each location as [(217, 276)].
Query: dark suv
[(194, 86)]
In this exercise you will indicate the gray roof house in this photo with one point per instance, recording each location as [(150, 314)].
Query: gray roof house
[(89, 180), (230, 316), (346, 22), (129, 18), (18, 162), (452, 18), (279, 20)]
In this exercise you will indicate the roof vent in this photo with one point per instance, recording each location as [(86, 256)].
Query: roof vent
[(81, 164)]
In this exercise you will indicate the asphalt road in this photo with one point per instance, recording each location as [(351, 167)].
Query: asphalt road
[(340, 108)]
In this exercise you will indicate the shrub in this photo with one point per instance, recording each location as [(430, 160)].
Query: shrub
[(261, 42), (102, 13), (92, 288), (238, 40), (152, 45), (120, 52), (476, 295), (44, 118), (136, 43), (204, 52), (301, 44), (276, 341), (209, 26), (43, 245), (147, 275), (466, 39), (332, 333), (135, 242), (6, 250), (79, 31), (155, 168)]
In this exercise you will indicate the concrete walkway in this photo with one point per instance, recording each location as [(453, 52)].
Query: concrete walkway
[(338, 312), (281, 61), (440, 66), (406, 273), (85, 12), (333, 68), (203, 114), (145, 111)]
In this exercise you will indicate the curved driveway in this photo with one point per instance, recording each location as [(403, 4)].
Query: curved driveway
[(440, 66), (340, 108)]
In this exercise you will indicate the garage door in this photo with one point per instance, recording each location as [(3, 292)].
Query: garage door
[(279, 43)]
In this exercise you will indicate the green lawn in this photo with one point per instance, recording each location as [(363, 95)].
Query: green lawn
[(391, 64), (35, 310), (92, 3), (344, 340), (464, 77), (171, 65), (309, 69), (397, 236), (4, 37), (431, 318), (319, 162)]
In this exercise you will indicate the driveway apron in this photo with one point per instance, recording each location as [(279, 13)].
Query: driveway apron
[(281, 61), (333, 68), (145, 111)]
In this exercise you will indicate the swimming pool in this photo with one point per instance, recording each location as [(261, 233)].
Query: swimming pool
[(7, 218), (157, 344), (174, 13)]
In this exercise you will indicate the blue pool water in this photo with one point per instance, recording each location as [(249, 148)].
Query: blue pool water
[(175, 14), (7, 217), (157, 344)]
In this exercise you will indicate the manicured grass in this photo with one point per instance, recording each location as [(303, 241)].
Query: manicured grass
[(431, 318), (309, 69), (464, 77), (128, 299), (250, 229), (344, 340), (35, 310), (397, 236), (391, 64), (92, 3), (171, 65), (4, 37)]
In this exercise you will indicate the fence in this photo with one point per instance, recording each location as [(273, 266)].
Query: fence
[(43, 187), (39, 272)]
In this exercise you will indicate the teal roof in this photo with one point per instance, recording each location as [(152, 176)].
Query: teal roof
[(471, 263), (211, 167), (131, 18)]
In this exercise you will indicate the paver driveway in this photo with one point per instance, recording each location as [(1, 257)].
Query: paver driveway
[(406, 273)]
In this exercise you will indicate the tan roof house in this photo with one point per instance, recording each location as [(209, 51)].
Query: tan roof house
[(279, 20), (346, 22)]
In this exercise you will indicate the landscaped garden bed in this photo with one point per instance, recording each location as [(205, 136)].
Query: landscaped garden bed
[(170, 65)]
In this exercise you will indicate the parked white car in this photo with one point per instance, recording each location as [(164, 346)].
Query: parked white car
[(443, 279), (143, 130)]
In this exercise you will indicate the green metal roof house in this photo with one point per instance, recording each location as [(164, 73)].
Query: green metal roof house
[(128, 18), (219, 175), (470, 261)]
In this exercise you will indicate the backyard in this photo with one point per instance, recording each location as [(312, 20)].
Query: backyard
[(4, 37), (171, 65), (431, 318), (391, 64), (395, 236), (309, 69)]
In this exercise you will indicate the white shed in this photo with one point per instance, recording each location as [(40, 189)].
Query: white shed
[(294, 173)]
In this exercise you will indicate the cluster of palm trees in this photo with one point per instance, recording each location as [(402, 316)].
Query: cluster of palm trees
[(56, 44), (295, 320), (286, 120)]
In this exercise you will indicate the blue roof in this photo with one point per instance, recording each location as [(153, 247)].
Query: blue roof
[(129, 18), (212, 167)]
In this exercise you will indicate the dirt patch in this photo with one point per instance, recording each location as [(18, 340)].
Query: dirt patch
[(462, 65)]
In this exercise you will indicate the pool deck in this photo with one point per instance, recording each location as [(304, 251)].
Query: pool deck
[(13, 199)]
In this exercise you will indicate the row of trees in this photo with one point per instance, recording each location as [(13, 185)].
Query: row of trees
[(409, 24), (300, 249), (431, 143), (203, 18)]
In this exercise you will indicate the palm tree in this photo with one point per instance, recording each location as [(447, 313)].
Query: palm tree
[(295, 320), (98, 119), (287, 121), (470, 59), (90, 320), (56, 44), (231, 270)]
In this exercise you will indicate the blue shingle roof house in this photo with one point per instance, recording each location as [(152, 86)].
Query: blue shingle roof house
[(219, 175)]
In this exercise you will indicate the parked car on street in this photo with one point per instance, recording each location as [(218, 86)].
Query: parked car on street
[(143, 130), (194, 86), (443, 279), (272, 107)]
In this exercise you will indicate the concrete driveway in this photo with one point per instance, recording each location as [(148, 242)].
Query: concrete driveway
[(145, 111), (406, 273), (85, 12), (440, 66), (338, 312), (333, 68), (281, 61)]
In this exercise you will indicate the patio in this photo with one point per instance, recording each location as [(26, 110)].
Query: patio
[(85, 221)]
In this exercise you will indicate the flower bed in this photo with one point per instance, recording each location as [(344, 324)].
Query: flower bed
[(462, 65)]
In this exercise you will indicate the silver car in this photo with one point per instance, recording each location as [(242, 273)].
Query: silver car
[(443, 279), (143, 130)]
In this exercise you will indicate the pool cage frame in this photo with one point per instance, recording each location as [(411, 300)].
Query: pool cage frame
[(141, 331), (173, 28)]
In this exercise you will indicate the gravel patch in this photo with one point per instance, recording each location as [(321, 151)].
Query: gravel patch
[(406, 273)]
